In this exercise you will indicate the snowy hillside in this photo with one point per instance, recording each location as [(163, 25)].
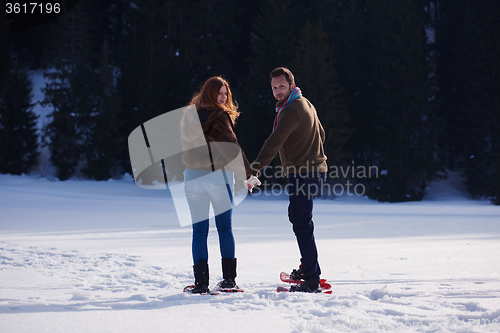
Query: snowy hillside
[(86, 256)]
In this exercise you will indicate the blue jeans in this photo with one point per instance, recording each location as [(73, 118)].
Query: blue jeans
[(200, 195), (301, 191)]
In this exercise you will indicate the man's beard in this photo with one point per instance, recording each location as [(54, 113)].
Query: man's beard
[(281, 101)]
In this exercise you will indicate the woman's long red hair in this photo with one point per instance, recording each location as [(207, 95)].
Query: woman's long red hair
[(207, 98)]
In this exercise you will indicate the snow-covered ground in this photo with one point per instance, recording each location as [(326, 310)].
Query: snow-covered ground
[(86, 256)]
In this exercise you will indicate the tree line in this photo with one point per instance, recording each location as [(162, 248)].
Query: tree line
[(409, 86)]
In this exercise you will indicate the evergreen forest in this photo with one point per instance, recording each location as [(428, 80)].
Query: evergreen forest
[(409, 88)]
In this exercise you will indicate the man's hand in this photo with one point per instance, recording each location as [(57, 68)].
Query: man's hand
[(251, 182)]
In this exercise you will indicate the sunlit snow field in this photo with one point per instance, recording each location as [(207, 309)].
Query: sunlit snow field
[(87, 256)]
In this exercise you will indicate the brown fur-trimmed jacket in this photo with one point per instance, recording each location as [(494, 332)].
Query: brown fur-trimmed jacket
[(220, 139)]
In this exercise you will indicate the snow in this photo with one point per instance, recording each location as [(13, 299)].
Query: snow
[(39, 83), (44, 167), (87, 256)]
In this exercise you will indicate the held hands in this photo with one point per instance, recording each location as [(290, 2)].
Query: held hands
[(251, 182)]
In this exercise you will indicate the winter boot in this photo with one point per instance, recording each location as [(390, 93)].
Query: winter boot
[(308, 286), (201, 278), (228, 274), (297, 274)]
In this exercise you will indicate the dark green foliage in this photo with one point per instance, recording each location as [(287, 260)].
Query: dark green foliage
[(495, 181), (403, 101), (449, 22), (18, 132), (70, 91), (169, 49), (205, 39), (474, 98), (388, 94), (352, 47), (102, 147), (314, 70), (146, 70), (273, 43), (5, 39)]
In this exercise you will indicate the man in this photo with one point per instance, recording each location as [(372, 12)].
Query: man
[(298, 137)]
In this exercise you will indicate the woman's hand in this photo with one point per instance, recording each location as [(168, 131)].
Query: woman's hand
[(251, 182)]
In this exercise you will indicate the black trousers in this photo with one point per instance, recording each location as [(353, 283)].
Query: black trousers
[(302, 188)]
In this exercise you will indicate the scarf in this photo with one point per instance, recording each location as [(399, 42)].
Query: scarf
[(296, 93)]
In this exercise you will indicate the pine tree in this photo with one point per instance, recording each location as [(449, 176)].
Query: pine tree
[(107, 24), (275, 37), (314, 70), (206, 39), (5, 40), (474, 97), (150, 82), (495, 184), (404, 102), (273, 42), (450, 17), (70, 91), (321, 11), (350, 37), (18, 131), (103, 146)]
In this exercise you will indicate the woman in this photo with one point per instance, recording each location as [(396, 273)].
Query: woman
[(206, 181)]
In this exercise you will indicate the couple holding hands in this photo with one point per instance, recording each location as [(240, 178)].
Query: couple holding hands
[(297, 136)]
